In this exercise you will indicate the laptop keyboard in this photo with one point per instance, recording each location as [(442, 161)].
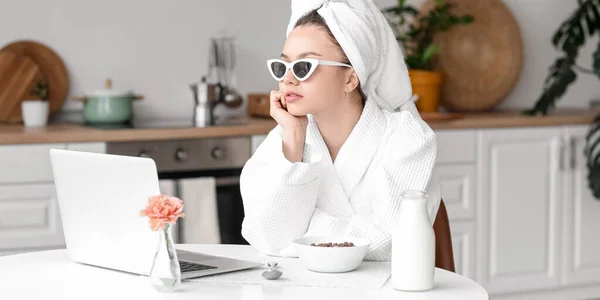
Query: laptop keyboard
[(187, 266)]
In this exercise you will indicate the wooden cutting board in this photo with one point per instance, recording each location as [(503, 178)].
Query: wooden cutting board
[(52, 68), (18, 74)]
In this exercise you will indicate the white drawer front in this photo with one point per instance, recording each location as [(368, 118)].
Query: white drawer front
[(88, 147), (456, 145), (29, 217), (463, 248), (26, 163), (457, 183)]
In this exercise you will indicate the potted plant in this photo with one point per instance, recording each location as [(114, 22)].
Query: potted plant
[(570, 36), (35, 112), (417, 39)]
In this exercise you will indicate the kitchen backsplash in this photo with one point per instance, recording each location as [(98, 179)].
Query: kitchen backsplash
[(157, 48)]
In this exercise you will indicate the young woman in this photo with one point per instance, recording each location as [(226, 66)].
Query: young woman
[(349, 141)]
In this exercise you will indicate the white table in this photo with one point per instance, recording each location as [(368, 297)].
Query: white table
[(51, 275)]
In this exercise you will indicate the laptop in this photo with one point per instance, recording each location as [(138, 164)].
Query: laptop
[(100, 197)]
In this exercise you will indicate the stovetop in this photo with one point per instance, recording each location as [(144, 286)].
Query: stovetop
[(75, 117), (167, 123)]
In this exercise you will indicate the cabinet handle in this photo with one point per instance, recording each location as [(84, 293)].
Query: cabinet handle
[(561, 155), (573, 157)]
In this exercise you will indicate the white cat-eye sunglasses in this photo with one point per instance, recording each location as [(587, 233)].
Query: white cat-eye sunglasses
[(301, 68)]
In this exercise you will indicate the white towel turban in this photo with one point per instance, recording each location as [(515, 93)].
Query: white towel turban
[(369, 43)]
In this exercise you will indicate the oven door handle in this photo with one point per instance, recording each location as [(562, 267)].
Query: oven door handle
[(229, 180)]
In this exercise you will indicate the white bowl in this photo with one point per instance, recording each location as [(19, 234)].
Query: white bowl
[(331, 259)]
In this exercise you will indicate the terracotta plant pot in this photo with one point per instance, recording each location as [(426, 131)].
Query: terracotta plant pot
[(426, 85)]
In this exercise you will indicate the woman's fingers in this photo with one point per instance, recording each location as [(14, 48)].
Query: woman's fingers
[(275, 99), (283, 102)]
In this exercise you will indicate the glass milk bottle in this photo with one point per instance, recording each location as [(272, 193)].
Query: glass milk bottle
[(413, 245)]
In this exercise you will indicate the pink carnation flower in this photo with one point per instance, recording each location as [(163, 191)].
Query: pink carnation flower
[(162, 210)]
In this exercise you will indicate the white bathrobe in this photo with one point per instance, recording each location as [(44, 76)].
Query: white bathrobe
[(357, 195)]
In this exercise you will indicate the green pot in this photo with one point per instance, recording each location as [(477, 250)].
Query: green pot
[(107, 107)]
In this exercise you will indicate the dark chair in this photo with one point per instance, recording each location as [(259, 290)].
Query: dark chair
[(444, 256)]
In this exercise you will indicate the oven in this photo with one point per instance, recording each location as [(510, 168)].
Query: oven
[(205, 174)]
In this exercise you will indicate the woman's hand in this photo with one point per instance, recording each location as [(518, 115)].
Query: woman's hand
[(294, 128), (279, 112)]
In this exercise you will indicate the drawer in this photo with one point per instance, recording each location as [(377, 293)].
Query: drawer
[(458, 184), (29, 217), (463, 248), (456, 145), (88, 147), (26, 163)]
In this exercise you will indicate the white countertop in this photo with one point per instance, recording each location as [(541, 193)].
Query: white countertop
[(51, 275)]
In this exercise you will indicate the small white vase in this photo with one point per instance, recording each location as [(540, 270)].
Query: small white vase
[(35, 113), (413, 245)]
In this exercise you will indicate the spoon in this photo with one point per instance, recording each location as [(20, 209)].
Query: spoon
[(272, 274)]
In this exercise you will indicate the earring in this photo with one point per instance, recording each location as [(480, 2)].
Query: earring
[(347, 94)]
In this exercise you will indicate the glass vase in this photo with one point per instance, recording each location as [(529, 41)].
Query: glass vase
[(165, 274)]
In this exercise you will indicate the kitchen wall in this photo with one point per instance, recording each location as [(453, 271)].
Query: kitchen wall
[(158, 47), (154, 47)]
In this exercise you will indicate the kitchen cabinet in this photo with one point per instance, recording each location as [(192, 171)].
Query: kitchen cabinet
[(456, 168), (463, 247), (456, 146), (26, 163), (581, 216), (519, 209), (29, 214), (537, 220), (458, 182), (87, 147)]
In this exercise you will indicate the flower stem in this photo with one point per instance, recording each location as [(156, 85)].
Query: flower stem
[(167, 242)]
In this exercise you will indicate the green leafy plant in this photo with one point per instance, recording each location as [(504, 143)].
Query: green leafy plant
[(591, 151), (417, 38), (41, 90), (572, 34)]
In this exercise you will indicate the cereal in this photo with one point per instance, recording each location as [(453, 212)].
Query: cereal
[(327, 245)]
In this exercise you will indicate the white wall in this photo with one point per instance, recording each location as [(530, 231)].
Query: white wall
[(158, 47), (154, 47)]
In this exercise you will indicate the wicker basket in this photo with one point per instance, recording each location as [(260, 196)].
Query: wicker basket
[(481, 61)]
